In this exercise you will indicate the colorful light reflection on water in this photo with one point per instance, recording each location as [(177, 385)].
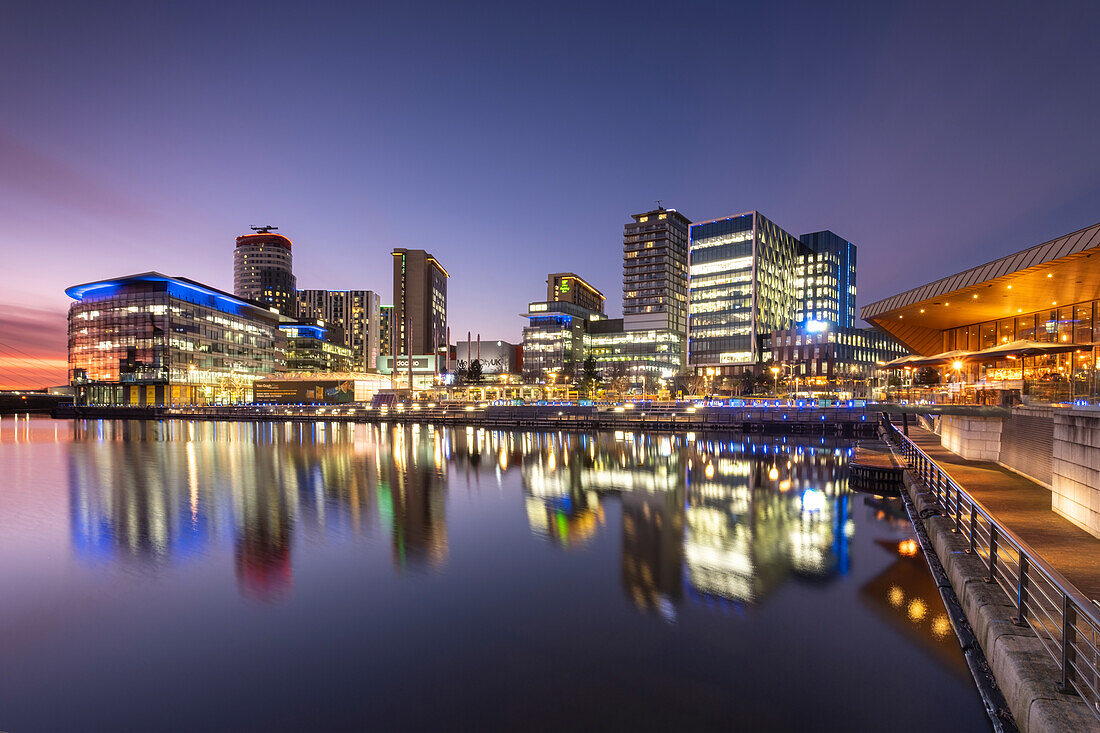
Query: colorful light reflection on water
[(328, 576)]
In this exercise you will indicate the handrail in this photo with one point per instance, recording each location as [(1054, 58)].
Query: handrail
[(1066, 622)]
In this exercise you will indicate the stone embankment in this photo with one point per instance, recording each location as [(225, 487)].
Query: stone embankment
[(1024, 670)]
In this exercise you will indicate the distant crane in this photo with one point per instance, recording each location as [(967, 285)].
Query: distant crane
[(264, 230)]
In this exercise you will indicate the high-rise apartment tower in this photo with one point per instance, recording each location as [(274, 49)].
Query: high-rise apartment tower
[(356, 312), (263, 270), (419, 302), (655, 271)]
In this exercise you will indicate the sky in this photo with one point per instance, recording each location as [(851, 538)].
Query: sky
[(516, 139)]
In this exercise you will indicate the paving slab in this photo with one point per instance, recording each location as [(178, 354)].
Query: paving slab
[(1023, 506)]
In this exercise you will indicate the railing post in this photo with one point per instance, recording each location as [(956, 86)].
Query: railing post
[(992, 552), (1069, 651), (1020, 619), (973, 525), (958, 493)]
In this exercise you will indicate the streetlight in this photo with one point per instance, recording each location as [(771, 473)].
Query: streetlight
[(775, 374)]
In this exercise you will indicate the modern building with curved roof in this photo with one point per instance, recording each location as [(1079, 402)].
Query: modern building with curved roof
[(1047, 293), (150, 339)]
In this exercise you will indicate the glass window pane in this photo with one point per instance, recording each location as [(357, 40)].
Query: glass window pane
[(1065, 328), (989, 334), (1082, 324), (1025, 327)]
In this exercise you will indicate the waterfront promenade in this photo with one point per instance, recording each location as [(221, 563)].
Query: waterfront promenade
[(1023, 506)]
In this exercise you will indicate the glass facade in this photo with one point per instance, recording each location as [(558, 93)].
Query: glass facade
[(315, 348), (827, 280), (553, 340), (744, 285), (1055, 377), (643, 357), (834, 353), (151, 339)]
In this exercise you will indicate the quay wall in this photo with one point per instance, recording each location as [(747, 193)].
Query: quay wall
[(832, 421), (1024, 670)]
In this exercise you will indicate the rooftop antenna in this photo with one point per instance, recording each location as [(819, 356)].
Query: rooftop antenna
[(659, 207), (264, 229)]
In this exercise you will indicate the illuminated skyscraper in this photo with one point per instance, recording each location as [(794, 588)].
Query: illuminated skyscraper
[(652, 344), (744, 285), (827, 280), (419, 302), (263, 270), (655, 271)]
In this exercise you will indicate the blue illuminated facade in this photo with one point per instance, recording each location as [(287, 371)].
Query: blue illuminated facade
[(150, 339), (827, 280)]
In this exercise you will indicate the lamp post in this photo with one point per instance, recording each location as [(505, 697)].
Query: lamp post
[(775, 374)]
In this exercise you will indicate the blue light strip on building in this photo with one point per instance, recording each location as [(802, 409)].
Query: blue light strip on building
[(175, 288)]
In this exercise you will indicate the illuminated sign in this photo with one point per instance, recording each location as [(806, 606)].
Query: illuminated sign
[(294, 392)]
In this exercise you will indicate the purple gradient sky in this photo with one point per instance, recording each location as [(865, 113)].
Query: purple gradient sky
[(513, 140)]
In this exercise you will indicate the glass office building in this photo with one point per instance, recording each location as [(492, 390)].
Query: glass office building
[(744, 285), (553, 340), (826, 355), (827, 280), (644, 357), (318, 347), (151, 339)]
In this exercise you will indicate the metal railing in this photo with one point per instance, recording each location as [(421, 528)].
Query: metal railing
[(1065, 621)]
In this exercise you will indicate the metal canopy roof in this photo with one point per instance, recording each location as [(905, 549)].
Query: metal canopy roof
[(1062, 271)]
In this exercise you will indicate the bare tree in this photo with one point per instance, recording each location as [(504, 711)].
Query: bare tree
[(617, 377)]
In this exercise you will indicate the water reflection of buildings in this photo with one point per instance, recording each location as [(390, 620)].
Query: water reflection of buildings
[(758, 514), (742, 517), (154, 492), (653, 548), (729, 520), (412, 483)]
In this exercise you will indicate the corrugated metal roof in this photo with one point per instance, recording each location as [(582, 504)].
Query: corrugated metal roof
[(1040, 254)]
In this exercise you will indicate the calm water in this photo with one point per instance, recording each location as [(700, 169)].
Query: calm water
[(191, 576)]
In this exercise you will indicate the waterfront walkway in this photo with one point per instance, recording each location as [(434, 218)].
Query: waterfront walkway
[(1024, 507)]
